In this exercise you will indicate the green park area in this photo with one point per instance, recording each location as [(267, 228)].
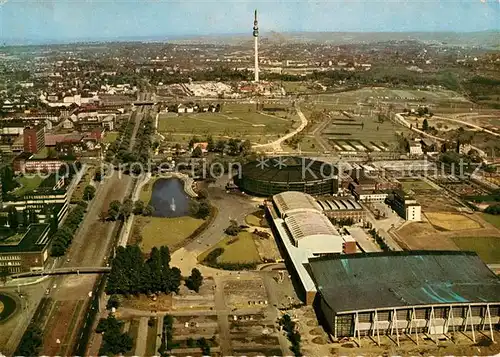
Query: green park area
[(240, 249), (110, 137), (235, 120), (488, 248), (159, 231), (492, 219), (28, 184)]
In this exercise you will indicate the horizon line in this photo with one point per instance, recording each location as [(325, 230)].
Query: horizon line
[(5, 42)]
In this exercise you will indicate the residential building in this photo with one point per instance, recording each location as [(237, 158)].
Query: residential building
[(34, 138)]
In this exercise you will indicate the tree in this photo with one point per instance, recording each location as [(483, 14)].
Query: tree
[(220, 146), (138, 207), (233, 228), (113, 302), (175, 279), (246, 147), (203, 210), (197, 152), (12, 218), (126, 209), (425, 125), (98, 175), (210, 144), (114, 341), (148, 211), (114, 210), (194, 281), (194, 207), (30, 342), (493, 209), (89, 193)]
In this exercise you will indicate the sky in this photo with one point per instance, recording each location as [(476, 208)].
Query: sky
[(66, 20)]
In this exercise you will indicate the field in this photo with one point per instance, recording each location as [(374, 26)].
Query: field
[(239, 249), (157, 231), (413, 185), (488, 248), (492, 219), (235, 120), (111, 137), (362, 133), (451, 221), (28, 183), (381, 94)]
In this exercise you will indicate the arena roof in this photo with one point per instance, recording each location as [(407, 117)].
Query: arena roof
[(340, 204), (291, 201), (306, 224), (289, 169), (371, 281)]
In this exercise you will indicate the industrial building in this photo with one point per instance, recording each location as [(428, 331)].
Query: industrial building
[(270, 176), (26, 252), (410, 292), (303, 231), (406, 206)]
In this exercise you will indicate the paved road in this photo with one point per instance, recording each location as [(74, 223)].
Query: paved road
[(466, 124), (276, 145)]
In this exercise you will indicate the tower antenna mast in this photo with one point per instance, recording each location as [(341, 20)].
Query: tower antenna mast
[(256, 46)]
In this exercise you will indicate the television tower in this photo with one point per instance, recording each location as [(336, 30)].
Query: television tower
[(256, 46)]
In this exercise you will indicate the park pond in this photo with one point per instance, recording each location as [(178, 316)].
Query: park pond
[(7, 307), (169, 198)]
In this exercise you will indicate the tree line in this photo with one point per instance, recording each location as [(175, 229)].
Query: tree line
[(64, 235), (132, 274)]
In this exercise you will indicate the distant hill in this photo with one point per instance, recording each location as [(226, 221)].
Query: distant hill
[(467, 39)]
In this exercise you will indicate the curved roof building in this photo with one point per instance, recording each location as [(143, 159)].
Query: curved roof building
[(270, 176)]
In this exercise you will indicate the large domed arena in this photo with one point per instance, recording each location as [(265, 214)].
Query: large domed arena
[(272, 175)]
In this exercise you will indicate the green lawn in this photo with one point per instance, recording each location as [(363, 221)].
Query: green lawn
[(111, 137), (492, 219), (242, 250), (488, 248), (28, 184), (159, 231), (235, 120), (42, 154), (147, 190), (411, 185)]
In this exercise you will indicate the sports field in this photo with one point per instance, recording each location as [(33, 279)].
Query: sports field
[(488, 248), (235, 120)]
